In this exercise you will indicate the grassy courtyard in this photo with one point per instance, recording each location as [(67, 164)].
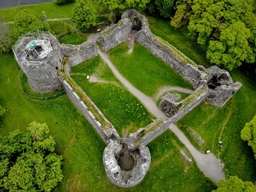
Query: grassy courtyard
[(145, 71), (120, 107)]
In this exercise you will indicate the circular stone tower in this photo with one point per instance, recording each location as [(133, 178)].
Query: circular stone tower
[(39, 58)]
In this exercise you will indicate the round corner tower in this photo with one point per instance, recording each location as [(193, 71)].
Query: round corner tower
[(40, 59)]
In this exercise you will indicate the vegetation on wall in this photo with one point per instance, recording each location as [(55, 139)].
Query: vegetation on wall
[(28, 161)]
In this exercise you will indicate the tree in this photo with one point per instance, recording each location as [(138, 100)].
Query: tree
[(227, 28), (62, 2), (6, 40), (248, 134), (27, 161), (27, 21), (116, 5), (232, 48), (182, 14), (84, 15), (163, 7), (235, 184)]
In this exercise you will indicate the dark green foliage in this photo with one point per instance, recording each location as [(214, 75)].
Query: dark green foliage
[(124, 4), (62, 2), (162, 7), (226, 28), (84, 15), (235, 184), (182, 14), (28, 161), (248, 134), (26, 22)]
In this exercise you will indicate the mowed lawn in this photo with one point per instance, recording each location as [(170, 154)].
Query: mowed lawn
[(145, 71)]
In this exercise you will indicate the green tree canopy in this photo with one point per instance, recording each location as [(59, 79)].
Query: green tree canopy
[(27, 160), (84, 15), (62, 2), (248, 134), (235, 184), (182, 14), (125, 4), (227, 28), (162, 7), (26, 22)]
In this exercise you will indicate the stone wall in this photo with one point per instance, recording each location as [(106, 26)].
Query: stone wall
[(169, 55), (115, 34), (119, 177), (77, 54), (88, 114), (221, 86), (195, 99)]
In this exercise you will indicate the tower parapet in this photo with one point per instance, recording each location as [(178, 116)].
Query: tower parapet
[(39, 58)]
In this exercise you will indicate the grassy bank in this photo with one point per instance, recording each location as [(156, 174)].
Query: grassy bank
[(52, 10)]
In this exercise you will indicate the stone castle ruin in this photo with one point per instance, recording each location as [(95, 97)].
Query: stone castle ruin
[(47, 65)]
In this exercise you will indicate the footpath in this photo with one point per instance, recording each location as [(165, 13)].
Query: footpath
[(207, 163)]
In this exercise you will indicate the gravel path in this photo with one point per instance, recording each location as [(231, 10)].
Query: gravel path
[(165, 89), (207, 163)]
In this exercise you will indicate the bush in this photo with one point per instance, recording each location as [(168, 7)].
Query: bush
[(63, 2)]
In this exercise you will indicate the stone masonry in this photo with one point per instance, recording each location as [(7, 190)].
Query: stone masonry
[(40, 71)]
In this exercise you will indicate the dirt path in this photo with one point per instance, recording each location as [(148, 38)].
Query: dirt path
[(148, 103), (93, 37), (207, 163), (165, 89), (133, 33)]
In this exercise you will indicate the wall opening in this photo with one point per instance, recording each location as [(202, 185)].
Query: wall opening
[(136, 24)]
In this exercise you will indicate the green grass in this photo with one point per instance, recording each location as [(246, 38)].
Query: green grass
[(145, 71), (51, 9), (225, 124), (73, 39), (123, 110), (66, 32)]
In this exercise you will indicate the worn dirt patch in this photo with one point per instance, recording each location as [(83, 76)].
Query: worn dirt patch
[(74, 184), (94, 79)]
